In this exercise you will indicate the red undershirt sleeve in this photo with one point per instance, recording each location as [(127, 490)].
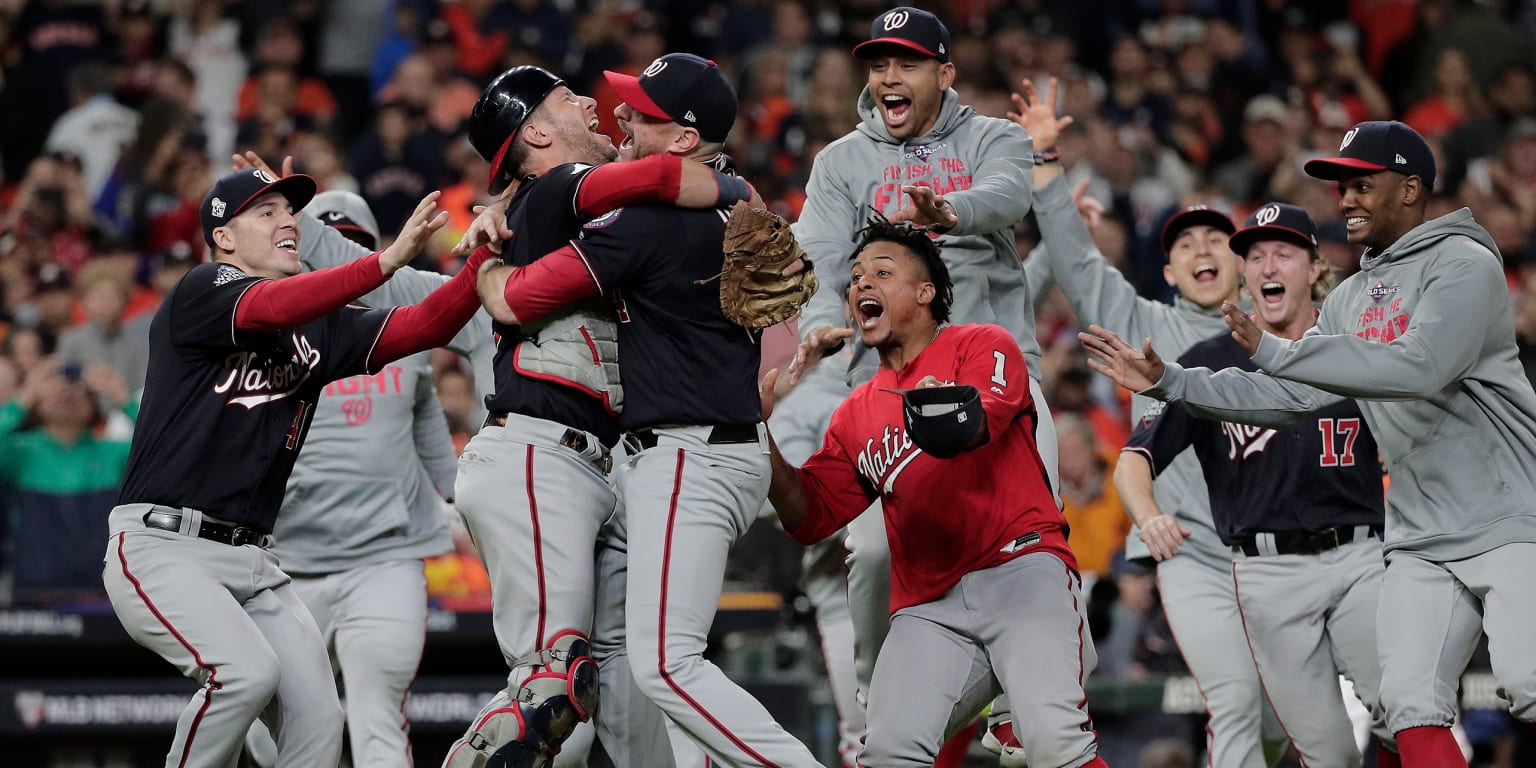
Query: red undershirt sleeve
[(559, 279), (433, 322), (655, 179), (272, 305)]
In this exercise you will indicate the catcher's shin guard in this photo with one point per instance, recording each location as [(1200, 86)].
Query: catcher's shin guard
[(525, 727)]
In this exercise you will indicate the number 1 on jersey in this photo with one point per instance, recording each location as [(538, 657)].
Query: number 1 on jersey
[(997, 373)]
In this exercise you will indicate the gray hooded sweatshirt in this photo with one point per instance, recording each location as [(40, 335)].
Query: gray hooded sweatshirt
[(1100, 294), (983, 166), (1424, 338)]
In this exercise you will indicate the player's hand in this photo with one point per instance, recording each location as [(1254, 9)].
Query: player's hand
[(1127, 366), (425, 221), (1038, 116), (1088, 208), (250, 159), (927, 209), (767, 391), (814, 347), (1163, 536), (928, 382), (489, 227), (1243, 328)]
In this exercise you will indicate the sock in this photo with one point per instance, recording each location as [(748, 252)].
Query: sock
[(1096, 762), (1386, 758), (952, 754), (1429, 746)]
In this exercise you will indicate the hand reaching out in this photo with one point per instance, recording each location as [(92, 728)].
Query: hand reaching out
[(927, 210), (1136, 370), (425, 221), (816, 345), (1244, 330), (1038, 116)]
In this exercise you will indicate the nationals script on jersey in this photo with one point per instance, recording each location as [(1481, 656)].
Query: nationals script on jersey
[(944, 517)]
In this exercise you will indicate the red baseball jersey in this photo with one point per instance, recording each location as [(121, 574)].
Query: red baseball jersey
[(944, 517)]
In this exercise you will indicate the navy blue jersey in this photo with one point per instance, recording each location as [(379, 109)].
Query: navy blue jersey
[(543, 217), (683, 362), (1321, 471), (225, 412)]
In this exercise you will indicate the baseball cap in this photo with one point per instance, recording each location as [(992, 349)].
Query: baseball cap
[(1275, 221), (347, 212), (686, 89), (1378, 145), (232, 193), (1193, 216), (910, 28), (1266, 107)]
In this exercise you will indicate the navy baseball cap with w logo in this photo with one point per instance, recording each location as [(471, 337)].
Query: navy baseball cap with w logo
[(1378, 145), (1275, 221), (682, 88), (910, 28), (232, 193)]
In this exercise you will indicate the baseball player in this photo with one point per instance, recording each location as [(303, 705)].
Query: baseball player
[(239, 354), (1422, 337), (1196, 586), (699, 470), (532, 485), (1300, 508), (361, 513), (966, 538), (966, 175)]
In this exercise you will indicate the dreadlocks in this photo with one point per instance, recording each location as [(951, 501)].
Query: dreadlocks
[(922, 247)]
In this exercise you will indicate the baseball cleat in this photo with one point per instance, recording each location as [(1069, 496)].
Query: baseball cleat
[(999, 740)]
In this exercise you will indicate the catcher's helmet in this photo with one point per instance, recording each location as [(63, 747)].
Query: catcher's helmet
[(943, 421), (503, 107)]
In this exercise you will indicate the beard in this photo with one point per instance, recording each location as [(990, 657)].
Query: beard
[(591, 147)]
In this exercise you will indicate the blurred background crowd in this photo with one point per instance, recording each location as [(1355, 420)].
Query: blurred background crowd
[(117, 115)]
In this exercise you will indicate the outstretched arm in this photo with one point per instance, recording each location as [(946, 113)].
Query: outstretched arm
[(1133, 480)]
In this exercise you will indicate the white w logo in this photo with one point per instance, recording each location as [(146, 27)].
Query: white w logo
[(1348, 137), (655, 68), (895, 20), (1267, 215), (265, 177)]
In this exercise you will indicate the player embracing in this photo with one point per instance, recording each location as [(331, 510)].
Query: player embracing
[(1300, 508), (1423, 338), (984, 589)]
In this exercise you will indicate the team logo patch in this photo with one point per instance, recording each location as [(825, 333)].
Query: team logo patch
[(1154, 410), (689, 116), (30, 707), (1348, 137), (335, 216), (1381, 291), (217, 206), (655, 68), (924, 151), (896, 20), (603, 220), (227, 274), (263, 176), (1267, 215)]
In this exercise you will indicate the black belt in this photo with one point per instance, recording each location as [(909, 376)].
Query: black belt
[(1310, 542), (212, 530), (722, 434), (573, 439)]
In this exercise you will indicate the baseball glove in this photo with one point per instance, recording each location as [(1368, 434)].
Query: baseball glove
[(754, 292)]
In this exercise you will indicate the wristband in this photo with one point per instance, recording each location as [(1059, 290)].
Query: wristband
[(1047, 157), (732, 189)]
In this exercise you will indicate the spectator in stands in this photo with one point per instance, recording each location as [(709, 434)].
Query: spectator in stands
[(96, 127), (53, 302), (1088, 499), (641, 43), (1268, 138), (1452, 99), (397, 163), (104, 294), (280, 49), (480, 33), (209, 43)]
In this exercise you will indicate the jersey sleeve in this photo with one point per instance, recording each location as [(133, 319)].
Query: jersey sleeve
[(616, 247), (351, 335), (203, 305), (1161, 435), (834, 492), (991, 361)]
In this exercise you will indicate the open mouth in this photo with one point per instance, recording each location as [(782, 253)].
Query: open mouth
[(1206, 273), (592, 125), (869, 313), (1272, 292), (288, 244), (897, 108), (1353, 223)]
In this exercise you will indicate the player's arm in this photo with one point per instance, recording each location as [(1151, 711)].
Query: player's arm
[(429, 429), (817, 499), (431, 322), (1000, 190), (666, 179), (826, 231), (1159, 439), (1441, 342), (514, 295)]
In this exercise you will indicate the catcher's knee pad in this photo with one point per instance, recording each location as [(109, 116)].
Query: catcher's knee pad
[(563, 692), (530, 751)]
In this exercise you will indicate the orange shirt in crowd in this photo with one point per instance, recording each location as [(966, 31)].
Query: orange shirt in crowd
[(1099, 527)]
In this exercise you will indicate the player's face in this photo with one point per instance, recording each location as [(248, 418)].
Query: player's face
[(1203, 267), (1371, 203), (889, 294), (574, 119), (909, 92), (266, 237), (643, 135), (1279, 276)]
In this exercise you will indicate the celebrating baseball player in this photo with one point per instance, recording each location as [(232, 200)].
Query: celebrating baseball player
[(532, 485), (699, 474), (240, 351), (966, 175), (1196, 586), (1301, 508), (966, 536), (1423, 338)]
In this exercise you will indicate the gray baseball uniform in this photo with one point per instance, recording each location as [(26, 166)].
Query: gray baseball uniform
[(1196, 584), (983, 167), (1423, 338)]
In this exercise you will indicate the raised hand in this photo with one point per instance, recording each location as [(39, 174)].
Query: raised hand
[(425, 221), (1088, 208), (813, 348), (1133, 369), (927, 209), (1243, 328), (250, 159), (489, 227), (1038, 116)]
